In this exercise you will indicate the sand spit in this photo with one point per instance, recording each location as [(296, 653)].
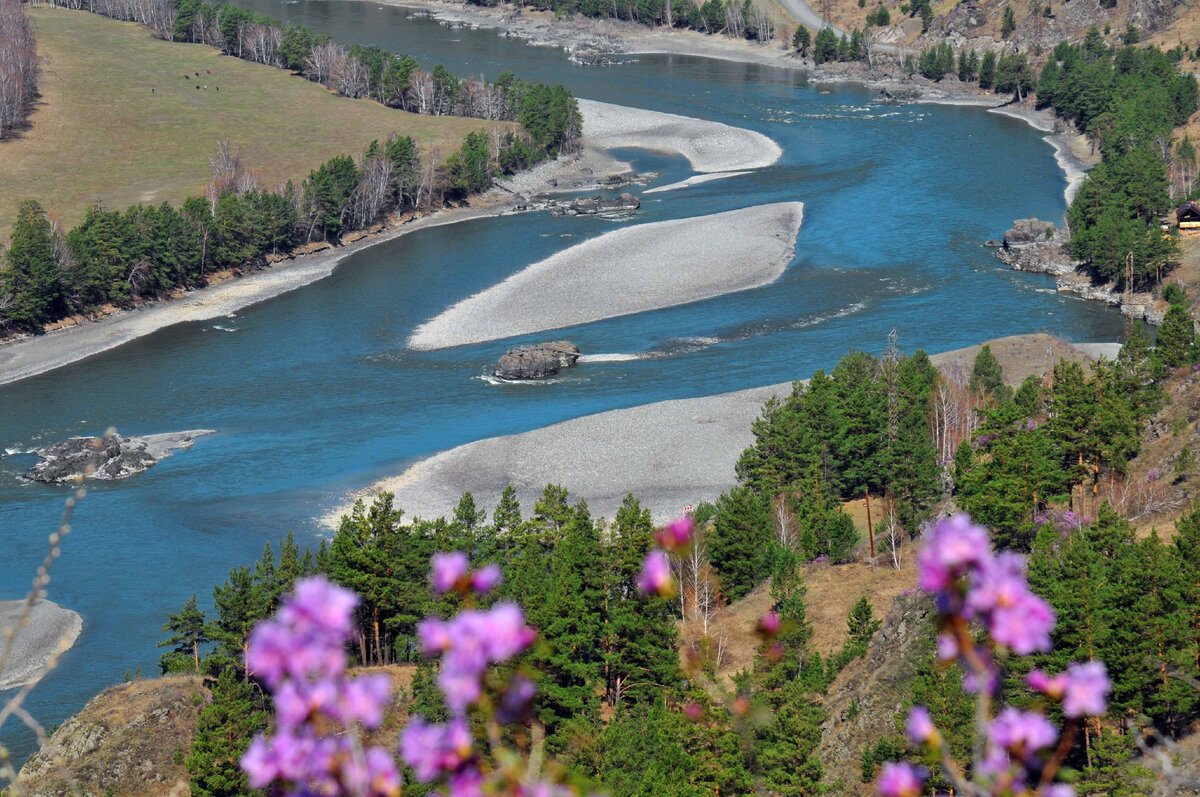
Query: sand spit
[(629, 270), (668, 454), (708, 146), (697, 180), (51, 629)]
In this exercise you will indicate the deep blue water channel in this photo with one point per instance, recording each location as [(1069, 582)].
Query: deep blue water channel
[(314, 393)]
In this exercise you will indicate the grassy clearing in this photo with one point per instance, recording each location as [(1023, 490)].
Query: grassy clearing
[(119, 123)]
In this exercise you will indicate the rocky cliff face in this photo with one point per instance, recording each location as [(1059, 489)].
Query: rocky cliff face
[(128, 740), (868, 695)]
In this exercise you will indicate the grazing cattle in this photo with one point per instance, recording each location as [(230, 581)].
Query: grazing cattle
[(197, 87)]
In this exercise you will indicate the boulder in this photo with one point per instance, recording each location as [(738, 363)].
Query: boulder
[(108, 458), (1029, 231), (536, 362)]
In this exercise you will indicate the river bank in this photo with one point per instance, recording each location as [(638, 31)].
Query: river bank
[(49, 631), (32, 355), (668, 454)]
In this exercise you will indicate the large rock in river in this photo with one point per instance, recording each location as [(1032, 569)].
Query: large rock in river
[(538, 361), (109, 457)]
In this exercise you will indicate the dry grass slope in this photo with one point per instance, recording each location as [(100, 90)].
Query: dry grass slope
[(119, 123)]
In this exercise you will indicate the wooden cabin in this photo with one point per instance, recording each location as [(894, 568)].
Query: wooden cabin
[(1187, 216)]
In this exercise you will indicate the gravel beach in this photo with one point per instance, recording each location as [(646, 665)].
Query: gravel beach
[(612, 275), (697, 180), (708, 146), (668, 454), (50, 629)]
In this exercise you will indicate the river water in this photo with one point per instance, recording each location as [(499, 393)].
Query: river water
[(314, 393)]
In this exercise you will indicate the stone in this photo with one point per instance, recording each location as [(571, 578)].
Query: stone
[(107, 458), (537, 361)]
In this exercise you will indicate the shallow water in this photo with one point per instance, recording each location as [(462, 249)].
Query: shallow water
[(314, 393)]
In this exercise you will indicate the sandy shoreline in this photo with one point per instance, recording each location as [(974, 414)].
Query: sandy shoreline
[(51, 630), (667, 454), (607, 276)]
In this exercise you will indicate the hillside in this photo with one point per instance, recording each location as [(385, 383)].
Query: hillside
[(117, 107)]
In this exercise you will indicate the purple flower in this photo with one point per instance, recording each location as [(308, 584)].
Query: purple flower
[(434, 750), (517, 699), (448, 569), (655, 577), (1024, 626), (364, 699), (326, 607), (921, 729), (1085, 690), (485, 579), (469, 643), (1022, 733), (900, 780), (952, 547), (1057, 790), (677, 534), (1154, 474), (769, 624)]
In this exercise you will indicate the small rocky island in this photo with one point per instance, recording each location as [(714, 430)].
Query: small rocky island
[(537, 361), (109, 457)]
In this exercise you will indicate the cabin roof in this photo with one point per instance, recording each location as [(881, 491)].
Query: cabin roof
[(1188, 209)]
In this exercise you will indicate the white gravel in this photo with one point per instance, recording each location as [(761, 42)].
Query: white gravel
[(668, 454), (630, 270), (708, 146), (51, 629), (697, 180)]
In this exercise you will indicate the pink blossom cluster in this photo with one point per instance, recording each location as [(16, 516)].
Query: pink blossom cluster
[(315, 749), (1021, 749), (468, 644), (656, 578)]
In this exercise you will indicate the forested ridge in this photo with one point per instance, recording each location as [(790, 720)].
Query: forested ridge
[(1043, 464), (115, 257)]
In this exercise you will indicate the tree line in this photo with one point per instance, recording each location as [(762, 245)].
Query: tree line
[(18, 67), (117, 257), (739, 19)]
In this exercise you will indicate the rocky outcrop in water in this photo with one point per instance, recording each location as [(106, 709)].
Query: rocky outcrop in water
[(594, 206), (536, 362), (1044, 248), (110, 457)]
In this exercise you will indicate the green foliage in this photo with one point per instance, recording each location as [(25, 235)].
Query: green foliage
[(880, 17), (936, 62), (29, 279), (801, 40), (223, 732), (188, 632), (987, 70), (861, 624), (987, 377), (1175, 342), (740, 535), (1008, 23), (386, 563)]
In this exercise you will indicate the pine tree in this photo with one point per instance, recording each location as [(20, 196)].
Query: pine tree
[(188, 632), (987, 378), (467, 515), (641, 654), (1009, 23), (861, 625), (1176, 338), (740, 535), (240, 603), (570, 621), (30, 277), (223, 733), (507, 517)]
